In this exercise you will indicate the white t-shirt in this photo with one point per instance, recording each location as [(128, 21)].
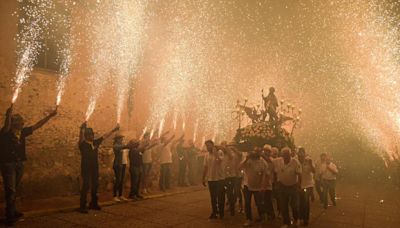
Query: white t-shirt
[(307, 176), (255, 171), (287, 173), (125, 153), (148, 154), (215, 165), (165, 154), (326, 174)]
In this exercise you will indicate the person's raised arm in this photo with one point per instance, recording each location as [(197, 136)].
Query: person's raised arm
[(108, 134), (82, 132), (168, 141), (7, 120), (43, 121)]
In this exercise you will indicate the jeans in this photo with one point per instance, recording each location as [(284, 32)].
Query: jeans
[(136, 176), (258, 198), (230, 192), (289, 195), (217, 195), (165, 175), (119, 171), (182, 173), (328, 186), (146, 175), (269, 208), (304, 207), (12, 174), (90, 176), (276, 194), (318, 188)]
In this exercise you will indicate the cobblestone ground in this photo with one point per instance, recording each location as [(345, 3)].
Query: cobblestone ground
[(358, 206)]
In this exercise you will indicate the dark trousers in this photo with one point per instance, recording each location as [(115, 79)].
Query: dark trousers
[(165, 175), (238, 191), (289, 195), (182, 172), (318, 188), (230, 193), (276, 194), (304, 206), (258, 198), (328, 186), (12, 174), (119, 171), (269, 208), (90, 178), (217, 195), (136, 176)]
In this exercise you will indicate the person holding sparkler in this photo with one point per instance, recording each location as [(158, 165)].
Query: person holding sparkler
[(13, 156), (89, 148)]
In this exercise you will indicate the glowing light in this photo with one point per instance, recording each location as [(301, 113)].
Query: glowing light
[(174, 121), (196, 125), (160, 128), (90, 109), (144, 132)]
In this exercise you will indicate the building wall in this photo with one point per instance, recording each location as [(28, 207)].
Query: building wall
[(53, 166)]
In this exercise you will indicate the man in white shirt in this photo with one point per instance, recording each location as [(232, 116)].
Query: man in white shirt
[(289, 176), (328, 178), (255, 169), (307, 184), (214, 173), (231, 172)]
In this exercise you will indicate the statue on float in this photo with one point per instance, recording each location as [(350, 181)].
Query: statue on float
[(270, 123)]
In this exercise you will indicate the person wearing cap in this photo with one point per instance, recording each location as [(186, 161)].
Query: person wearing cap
[(307, 184), (119, 166), (89, 149), (271, 104), (13, 156)]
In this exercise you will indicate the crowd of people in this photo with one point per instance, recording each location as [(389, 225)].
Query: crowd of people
[(276, 179)]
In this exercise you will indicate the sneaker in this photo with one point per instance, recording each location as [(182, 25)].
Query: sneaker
[(248, 223), (145, 191), (122, 198), (116, 199), (213, 216)]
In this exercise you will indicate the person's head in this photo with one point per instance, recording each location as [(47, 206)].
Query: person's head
[(209, 145), (272, 90), (323, 157), (286, 154), (274, 152), (328, 159), (256, 152), (146, 136), (118, 138), (17, 122), (267, 149), (89, 134), (301, 154)]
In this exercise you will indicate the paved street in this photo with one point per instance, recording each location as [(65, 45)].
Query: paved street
[(358, 206)]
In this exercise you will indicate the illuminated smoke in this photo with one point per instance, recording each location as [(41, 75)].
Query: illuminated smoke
[(37, 17)]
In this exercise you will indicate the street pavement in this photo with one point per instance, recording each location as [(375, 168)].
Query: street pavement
[(357, 206)]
